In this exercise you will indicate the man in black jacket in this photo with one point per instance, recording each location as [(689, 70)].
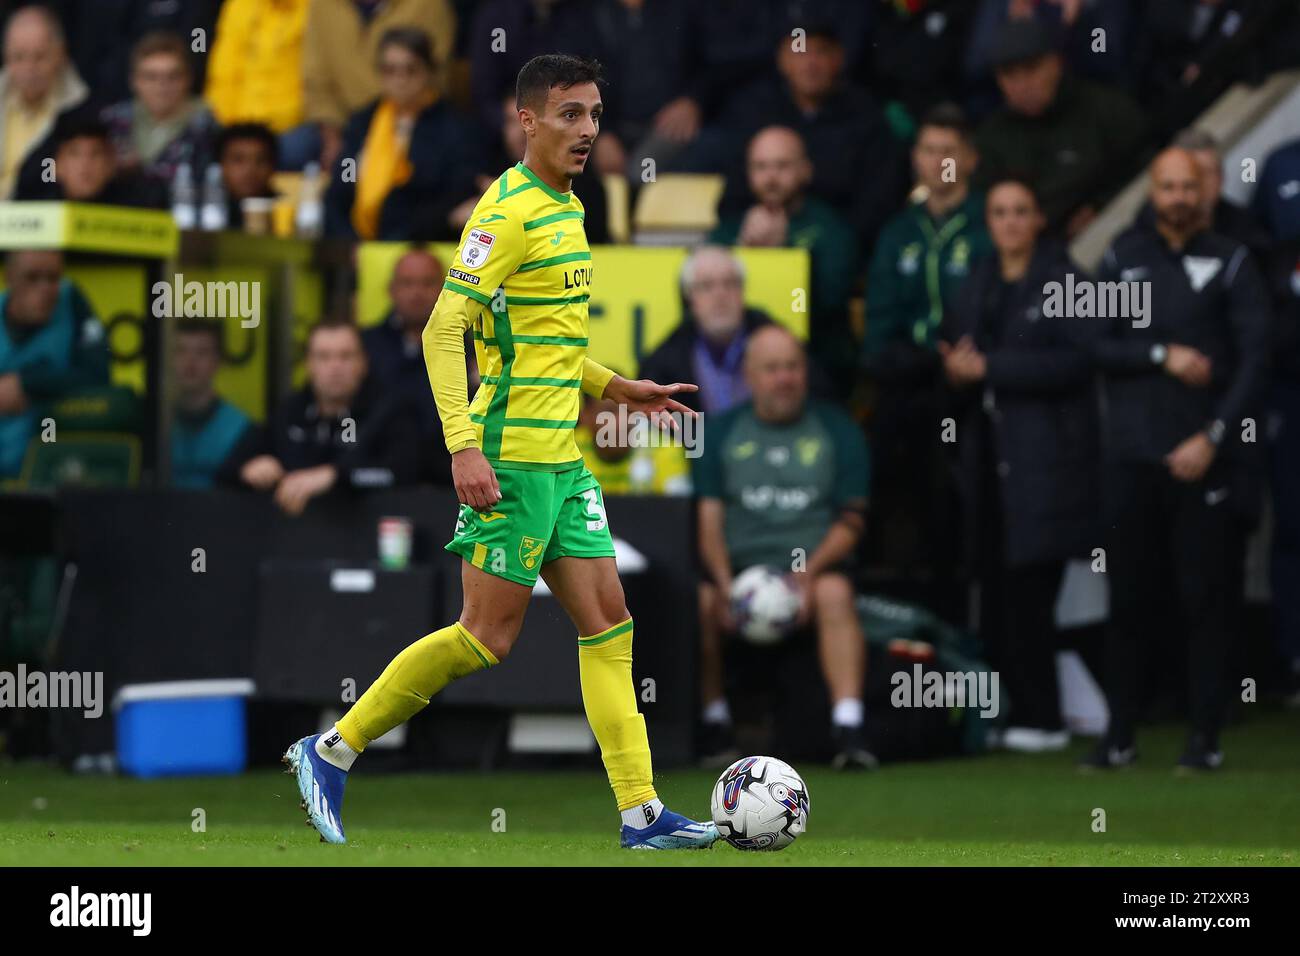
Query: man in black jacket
[(341, 431), (708, 347), (1182, 384)]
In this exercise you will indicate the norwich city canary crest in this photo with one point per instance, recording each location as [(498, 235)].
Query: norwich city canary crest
[(530, 551)]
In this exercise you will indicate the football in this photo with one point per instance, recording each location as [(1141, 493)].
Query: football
[(764, 604), (760, 803)]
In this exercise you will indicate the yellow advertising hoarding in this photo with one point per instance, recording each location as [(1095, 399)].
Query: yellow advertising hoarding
[(635, 298)]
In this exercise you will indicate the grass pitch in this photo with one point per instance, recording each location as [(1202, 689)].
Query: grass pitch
[(996, 810)]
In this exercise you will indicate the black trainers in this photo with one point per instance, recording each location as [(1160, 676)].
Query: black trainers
[(717, 744), (851, 750), (1202, 753), (1109, 755)]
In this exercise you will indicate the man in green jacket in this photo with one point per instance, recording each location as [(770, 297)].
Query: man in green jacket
[(921, 259), (924, 253), (786, 216)]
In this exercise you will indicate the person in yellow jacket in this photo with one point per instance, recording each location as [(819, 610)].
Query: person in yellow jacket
[(255, 70), (339, 52)]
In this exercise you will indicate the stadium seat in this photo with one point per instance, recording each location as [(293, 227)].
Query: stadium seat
[(616, 196), (676, 208)]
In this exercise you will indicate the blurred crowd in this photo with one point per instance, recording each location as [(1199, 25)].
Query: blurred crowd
[(933, 157)]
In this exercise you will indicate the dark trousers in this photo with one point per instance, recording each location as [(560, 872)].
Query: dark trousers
[(1160, 530), (1017, 619)]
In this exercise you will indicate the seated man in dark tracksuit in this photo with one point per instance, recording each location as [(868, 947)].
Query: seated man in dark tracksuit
[(342, 430)]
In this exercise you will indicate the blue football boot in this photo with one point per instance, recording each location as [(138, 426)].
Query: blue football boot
[(320, 784), (671, 831)]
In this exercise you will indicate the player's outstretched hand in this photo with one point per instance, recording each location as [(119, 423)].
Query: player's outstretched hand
[(643, 395), (475, 481)]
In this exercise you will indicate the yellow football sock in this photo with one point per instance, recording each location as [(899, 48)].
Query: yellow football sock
[(410, 679), (605, 668)]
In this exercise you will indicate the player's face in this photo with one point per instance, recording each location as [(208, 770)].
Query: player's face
[(1013, 218), (197, 361), (33, 280), (1176, 193), (563, 132), (336, 364), (85, 165)]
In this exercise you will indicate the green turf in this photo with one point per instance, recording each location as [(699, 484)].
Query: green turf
[(994, 810)]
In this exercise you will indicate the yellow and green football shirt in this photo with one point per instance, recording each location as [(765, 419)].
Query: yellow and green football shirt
[(520, 280)]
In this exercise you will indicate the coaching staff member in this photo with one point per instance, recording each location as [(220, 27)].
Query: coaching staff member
[(1179, 463)]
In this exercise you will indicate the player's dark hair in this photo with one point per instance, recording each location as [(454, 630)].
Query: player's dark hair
[(241, 131), (540, 74), (948, 116), (200, 326), (411, 39)]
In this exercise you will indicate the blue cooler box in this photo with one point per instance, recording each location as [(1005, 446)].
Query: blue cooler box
[(180, 728)]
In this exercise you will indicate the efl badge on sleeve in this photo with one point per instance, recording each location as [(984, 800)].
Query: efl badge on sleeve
[(477, 248)]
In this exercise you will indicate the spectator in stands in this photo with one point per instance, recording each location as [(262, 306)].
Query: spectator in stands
[(415, 156), (708, 345), (921, 259), (1182, 377), (343, 430), (652, 53), (82, 167), (925, 253), (164, 124), (508, 151), (858, 165), (786, 215), (340, 47), (506, 34), (246, 153), (1191, 50), (1075, 21), (1080, 139), (102, 35), (36, 85), (1277, 197), (1283, 434), (1221, 216), (396, 353), (205, 427), (255, 74), (1027, 444), (915, 52), (782, 476), (51, 344)]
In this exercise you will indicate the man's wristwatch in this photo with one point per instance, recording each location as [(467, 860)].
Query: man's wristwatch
[(1158, 354), (1215, 431)]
